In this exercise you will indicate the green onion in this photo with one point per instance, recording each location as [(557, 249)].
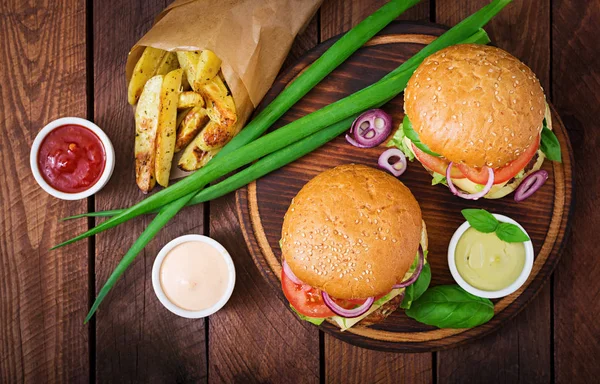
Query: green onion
[(163, 217), (286, 136), (335, 55), (246, 176)]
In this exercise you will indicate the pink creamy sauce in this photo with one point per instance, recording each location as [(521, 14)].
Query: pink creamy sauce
[(194, 276)]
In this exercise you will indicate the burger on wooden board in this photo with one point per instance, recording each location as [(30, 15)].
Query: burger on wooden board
[(476, 118), (352, 241)]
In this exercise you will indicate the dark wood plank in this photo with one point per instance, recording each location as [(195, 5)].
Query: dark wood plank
[(347, 363), (255, 338), (137, 338), (520, 352), (337, 16), (576, 92), (44, 293)]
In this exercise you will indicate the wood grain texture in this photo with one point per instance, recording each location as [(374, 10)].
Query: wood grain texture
[(43, 294), (338, 16), (524, 343), (264, 203), (137, 339), (255, 338), (576, 92)]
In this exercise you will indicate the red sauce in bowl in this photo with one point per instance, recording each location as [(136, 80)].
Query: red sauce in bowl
[(71, 158)]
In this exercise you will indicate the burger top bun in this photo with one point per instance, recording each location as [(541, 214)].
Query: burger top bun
[(352, 231), (475, 104)]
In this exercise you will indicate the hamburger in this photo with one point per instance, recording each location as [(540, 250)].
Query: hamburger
[(475, 118), (352, 240)]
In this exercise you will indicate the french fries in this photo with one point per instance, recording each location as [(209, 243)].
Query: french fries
[(146, 124), (194, 157), (183, 104), (190, 99), (208, 67), (189, 127), (168, 64), (219, 102), (165, 135), (144, 69)]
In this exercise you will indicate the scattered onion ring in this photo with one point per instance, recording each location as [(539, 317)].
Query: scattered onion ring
[(288, 272), (370, 129), (472, 196), (398, 167), (530, 185), (417, 272), (348, 313)]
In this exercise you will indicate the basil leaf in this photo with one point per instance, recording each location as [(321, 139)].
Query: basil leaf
[(511, 233), (549, 144), (481, 220), (450, 306), (414, 137), (415, 290), (398, 142)]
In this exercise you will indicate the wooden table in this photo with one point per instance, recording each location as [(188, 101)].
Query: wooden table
[(67, 58)]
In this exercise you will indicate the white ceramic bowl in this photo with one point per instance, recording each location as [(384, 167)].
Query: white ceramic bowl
[(108, 150), (162, 297), (529, 256)]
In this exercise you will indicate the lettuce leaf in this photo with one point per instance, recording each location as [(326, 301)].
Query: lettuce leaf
[(314, 320), (438, 178), (399, 142)]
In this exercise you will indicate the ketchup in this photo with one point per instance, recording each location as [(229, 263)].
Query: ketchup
[(71, 158)]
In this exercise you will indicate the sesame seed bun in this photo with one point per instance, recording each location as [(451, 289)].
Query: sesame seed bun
[(475, 104), (352, 231)]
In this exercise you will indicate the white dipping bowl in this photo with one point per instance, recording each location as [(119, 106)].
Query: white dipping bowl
[(109, 152), (162, 297), (529, 256)]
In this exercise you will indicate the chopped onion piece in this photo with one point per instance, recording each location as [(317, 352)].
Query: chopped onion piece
[(396, 168), (530, 185), (370, 129), (472, 196), (288, 272), (347, 313)]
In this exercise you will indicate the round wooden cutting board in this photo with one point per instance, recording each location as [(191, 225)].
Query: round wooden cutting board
[(262, 204)]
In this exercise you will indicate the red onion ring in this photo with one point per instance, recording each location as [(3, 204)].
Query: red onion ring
[(398, 167), (288, 272), (417, 272), (374, 132), (472, 196), (347, 313), (530, 185)]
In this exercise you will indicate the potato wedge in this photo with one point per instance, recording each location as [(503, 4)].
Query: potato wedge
[(194, 157), (188, 60), (190, 99), (206, 144), (189, 127), (208, 67), (180, 116), (168, 64), (146, 124), (166, 131), (144, 69), (219, 103)]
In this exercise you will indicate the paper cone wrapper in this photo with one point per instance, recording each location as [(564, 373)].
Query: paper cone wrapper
[(251, 37)]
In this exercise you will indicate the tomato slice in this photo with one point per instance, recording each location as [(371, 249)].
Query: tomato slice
[(304, 298), (436, 164), (308, 301), (480, 175)]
